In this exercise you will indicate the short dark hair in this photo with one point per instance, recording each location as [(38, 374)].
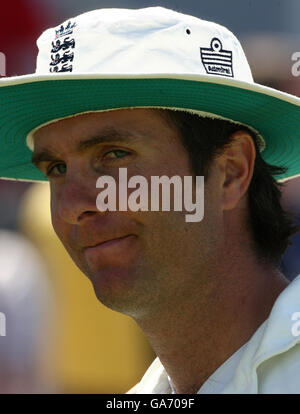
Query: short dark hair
[(204, 138)]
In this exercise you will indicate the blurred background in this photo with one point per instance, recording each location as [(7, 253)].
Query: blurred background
[(59, 338)]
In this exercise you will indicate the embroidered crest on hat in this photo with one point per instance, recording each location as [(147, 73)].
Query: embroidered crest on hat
[(216, 60), (63, 31), (62, 45)]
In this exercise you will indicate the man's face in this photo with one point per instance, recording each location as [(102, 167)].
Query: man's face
[(138, 262)]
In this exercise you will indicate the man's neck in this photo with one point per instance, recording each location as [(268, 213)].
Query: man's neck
[(203, 331)]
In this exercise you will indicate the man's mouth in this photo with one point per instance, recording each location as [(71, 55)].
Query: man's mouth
[(112, 249), (109, 242)]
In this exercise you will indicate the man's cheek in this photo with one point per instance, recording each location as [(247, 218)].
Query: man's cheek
[(57, 222), (63, 231), (59, 227)]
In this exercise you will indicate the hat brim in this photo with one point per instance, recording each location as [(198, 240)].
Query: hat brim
[(31, 100)]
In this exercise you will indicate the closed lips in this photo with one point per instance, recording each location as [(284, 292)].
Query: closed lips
[(109, 241)]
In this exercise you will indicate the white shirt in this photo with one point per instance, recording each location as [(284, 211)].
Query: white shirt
[(222, 376), (268, 363)]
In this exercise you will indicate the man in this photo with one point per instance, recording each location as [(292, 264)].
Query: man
[(159, 93)]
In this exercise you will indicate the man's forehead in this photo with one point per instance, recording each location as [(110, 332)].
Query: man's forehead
[(79, 133), (113, 123)]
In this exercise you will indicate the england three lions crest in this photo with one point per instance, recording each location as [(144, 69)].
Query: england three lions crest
[(216, 60)]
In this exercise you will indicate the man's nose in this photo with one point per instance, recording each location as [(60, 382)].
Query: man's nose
[(76, 200)]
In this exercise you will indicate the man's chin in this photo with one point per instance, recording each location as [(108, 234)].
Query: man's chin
[(117, 288)]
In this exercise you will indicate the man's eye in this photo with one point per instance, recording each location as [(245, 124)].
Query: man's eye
[(57, 169), (116, 154)]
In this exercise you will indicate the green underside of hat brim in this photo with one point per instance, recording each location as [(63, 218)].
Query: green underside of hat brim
[(27, 105)]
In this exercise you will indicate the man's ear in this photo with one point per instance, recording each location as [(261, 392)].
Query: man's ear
[(237, 163)]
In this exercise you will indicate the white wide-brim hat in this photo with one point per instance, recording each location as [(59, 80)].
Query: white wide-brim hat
[(111, 59)]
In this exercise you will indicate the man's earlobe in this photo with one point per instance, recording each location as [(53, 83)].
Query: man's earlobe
[(238, 158)]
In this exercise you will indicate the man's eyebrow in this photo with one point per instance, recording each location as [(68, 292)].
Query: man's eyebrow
[(39, 157), (108, 135)]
